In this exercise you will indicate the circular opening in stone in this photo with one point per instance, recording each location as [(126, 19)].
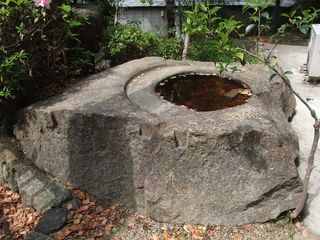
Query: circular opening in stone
[(203, 92)]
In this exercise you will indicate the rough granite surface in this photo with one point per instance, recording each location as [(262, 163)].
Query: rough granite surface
[(113, 137), (37, 190)]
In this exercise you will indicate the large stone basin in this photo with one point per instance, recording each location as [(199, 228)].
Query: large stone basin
[(112, 136)]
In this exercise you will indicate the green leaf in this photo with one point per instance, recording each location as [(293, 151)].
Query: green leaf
[(245, 8), (203, 7), (249, 28), (66, 8), (265, 15), (272, 76), (288, 72), (197, 7), (74, 23), (285, 15), (313, 113), (292, 13), (240, 55), (19, 2), (304, 28)]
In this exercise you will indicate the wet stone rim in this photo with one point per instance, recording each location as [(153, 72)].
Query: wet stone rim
[(203, 92), (141, 88)]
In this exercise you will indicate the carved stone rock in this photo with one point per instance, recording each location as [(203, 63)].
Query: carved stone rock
[(112, 136)]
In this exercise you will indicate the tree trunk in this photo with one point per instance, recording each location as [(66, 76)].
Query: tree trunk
[(185, 46), (116, 12), (170, 12), (276, 14), (180, 18)]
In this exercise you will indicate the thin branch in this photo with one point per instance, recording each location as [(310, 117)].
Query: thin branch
[(316, 126), (307, 175), (283, 77)]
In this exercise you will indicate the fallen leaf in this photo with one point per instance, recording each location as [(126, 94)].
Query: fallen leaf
[(85, 201), (75, 228), (99, 208), (196, 231), (154, 237), (113, 217), (113, 206), (145, 226), (76, 221), (69, 206), (232, 93), (94, 225), (105, 212), (131, 225), (210, 231), (197, 235), (121, 221), (6, 211), (99, 233), (108, 229), (218, 228), (247, 228), (305, 233), (58, 236), (82, 209), (67, 232), (187, 228), (238, 237), (165, 236), (80, 195)]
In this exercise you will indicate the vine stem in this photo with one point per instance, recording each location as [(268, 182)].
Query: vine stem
[(316, 126), (259, 32)]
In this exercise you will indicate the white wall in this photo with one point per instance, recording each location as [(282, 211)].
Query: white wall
[(150, 19)]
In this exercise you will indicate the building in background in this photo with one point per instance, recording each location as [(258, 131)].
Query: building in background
[(154, 18)]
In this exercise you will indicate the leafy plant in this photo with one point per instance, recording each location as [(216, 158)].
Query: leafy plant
[(10, 74), (202, 49), (37, 45), (199, 21), (302, 23), (166, 48), (298, 21), (259, 17), (127, 42), (204, 21)]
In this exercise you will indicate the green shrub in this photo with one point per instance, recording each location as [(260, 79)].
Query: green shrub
[(126, 42), (166, 48), (206, 50), (38, 45)]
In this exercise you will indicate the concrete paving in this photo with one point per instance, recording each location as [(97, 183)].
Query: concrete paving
[(292, 58)]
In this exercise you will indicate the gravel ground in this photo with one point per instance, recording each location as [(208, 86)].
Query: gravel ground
[(138, 227)]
